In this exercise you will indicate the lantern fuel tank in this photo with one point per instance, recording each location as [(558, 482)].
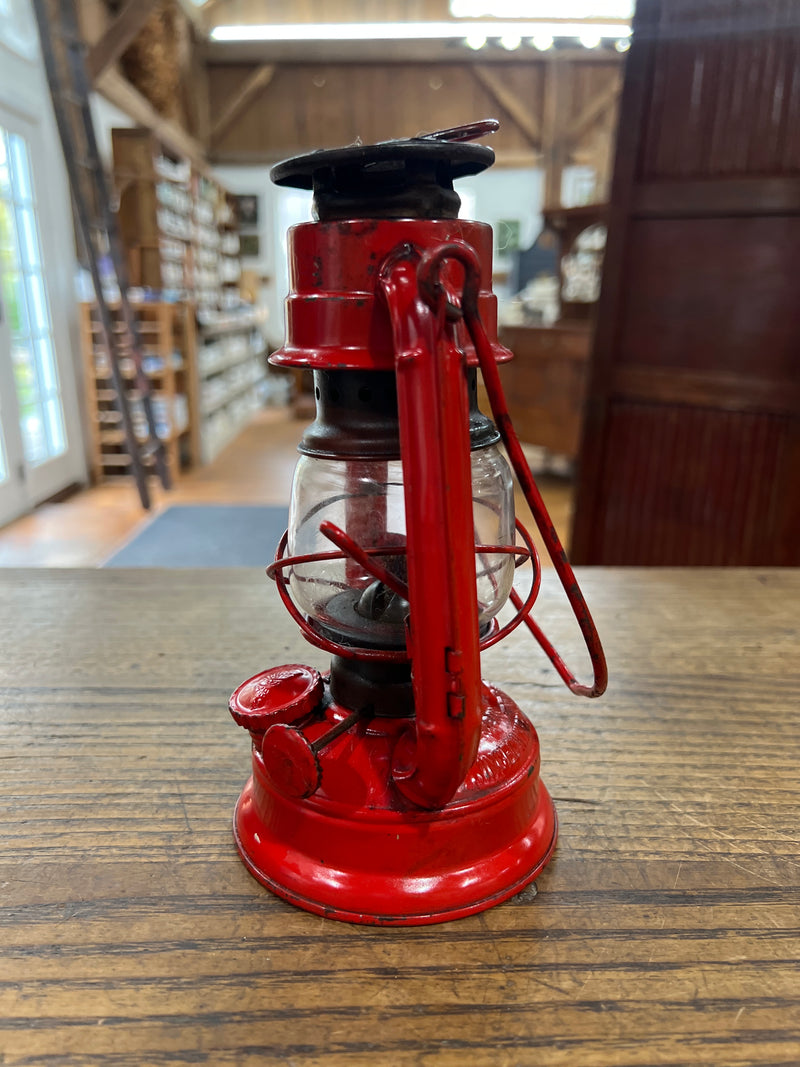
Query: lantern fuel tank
[(400, 787)]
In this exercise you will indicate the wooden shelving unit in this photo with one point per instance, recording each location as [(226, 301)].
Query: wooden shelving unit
[(155, 212), (231, 376), (169, 342), (178, 224), (230, 264), (180, 231)]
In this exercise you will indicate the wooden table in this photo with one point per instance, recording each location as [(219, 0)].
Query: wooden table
[(665, 931)]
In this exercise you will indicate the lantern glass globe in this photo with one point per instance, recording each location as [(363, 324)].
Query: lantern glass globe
[(366, 499)]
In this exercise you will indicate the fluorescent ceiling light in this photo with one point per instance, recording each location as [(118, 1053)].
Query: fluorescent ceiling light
[(542, 9), (413, 31)]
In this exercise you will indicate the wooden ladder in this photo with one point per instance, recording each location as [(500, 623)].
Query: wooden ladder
[(100, 248)]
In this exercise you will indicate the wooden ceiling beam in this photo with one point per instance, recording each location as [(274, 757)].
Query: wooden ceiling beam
[(517, 110), (210, 17), (253, 85), (269, 156), (193, 14), (120, 34), (593, 110), (120, 92)]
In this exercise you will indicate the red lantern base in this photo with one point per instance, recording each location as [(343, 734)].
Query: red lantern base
[(355, 850)]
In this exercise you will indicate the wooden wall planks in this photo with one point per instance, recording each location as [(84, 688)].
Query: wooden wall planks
[(324, 105), (702, 484), (252, 11), (698, 326), (311, 106), (725, 98)]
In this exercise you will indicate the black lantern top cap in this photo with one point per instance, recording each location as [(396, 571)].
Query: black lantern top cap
[(411, 178)]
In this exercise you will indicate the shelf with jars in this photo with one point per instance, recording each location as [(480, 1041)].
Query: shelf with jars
[(179, 227), (230, 264), (231, 374), (155, 213), (167, 333), (178, 224)]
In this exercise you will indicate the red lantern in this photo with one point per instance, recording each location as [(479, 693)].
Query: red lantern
[(400, 788)]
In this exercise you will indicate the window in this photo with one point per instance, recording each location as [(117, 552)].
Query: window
[(25, 300), (18, 28), (3, 465)]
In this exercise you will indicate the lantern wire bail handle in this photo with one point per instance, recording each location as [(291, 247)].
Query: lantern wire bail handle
[(435, 296)]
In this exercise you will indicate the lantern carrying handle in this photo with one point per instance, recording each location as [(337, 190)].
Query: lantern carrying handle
[(432, 757), (435, 296)]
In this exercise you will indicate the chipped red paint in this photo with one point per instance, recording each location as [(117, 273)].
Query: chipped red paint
[(336, 315)]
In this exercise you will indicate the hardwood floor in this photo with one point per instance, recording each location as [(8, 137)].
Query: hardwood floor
[(256, 468)]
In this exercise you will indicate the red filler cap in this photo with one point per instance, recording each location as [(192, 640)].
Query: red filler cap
[(279, 695)]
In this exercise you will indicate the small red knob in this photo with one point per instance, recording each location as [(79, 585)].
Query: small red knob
[(290, 762)]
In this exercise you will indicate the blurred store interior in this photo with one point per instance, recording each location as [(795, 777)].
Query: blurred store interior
[(645, 205)]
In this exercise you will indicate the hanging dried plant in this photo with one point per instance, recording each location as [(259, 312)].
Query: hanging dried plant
[(152, 62)]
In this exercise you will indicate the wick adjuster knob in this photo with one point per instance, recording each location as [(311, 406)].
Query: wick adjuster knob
[(292, 761)]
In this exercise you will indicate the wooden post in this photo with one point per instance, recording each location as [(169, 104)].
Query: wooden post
[(92, 406), (557, 73), (167, 392), (192, 380)]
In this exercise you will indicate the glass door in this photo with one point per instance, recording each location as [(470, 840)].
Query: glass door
[(35, 460), (13, 495)]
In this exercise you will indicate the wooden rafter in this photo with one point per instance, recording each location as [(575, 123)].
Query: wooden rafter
[(119, 35), (121, 93), (519, 111), (193, 14), (254, 84), (599, 104)]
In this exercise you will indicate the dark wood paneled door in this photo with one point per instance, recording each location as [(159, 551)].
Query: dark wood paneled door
[(691, 440)]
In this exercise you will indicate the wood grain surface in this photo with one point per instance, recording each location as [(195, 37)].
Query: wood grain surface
[(665, 931), (690, 452)]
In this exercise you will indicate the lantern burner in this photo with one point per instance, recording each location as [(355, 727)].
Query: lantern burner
[(356, 617)]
